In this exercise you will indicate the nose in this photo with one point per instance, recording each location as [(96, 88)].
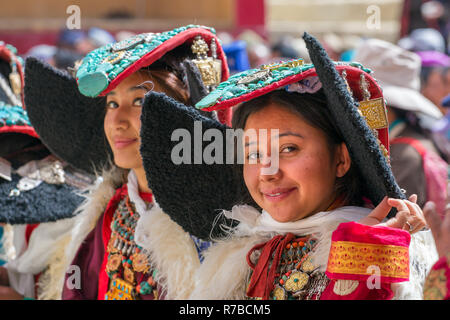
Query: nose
[(269, 169), (119, 118)]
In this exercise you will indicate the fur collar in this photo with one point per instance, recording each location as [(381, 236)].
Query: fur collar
[(171, 250)]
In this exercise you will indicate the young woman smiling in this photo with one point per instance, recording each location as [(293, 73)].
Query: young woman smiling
[(124, 247), (315, 228)]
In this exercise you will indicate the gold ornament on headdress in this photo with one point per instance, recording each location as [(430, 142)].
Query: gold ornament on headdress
[(288, 64), (16, 83), (210, 67), (374, 112)]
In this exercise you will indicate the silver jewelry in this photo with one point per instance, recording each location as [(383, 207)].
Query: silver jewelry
[(410, 226)]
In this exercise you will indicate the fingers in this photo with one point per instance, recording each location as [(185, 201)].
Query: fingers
[(381, 211), (399, 221), (413, 198), (408, 209), (416, 218)]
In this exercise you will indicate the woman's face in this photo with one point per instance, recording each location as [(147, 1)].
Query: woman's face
[(305, 181), (122, 122)]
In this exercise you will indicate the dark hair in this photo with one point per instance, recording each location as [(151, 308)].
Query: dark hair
[(169, 72), (313, 109)]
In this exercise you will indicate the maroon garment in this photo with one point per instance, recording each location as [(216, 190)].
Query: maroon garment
[(89, 259)]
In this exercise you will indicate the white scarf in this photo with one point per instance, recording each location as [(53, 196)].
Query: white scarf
[(321, 225), (142, 207)]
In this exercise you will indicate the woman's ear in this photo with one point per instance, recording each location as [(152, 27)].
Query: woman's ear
[(343, 160)]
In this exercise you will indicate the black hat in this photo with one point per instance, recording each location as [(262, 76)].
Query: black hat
[(19, 143)]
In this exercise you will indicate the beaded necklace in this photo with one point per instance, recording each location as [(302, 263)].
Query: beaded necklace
[(296, 277), (128, 264)]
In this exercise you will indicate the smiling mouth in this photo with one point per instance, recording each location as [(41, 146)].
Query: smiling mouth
[(278, 195), (122, 143)]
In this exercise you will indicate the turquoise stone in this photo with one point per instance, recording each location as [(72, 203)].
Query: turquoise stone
[(209, 100), (134, 58), (238, 89), (118, 69), (81, 72), (146, 288), (227, 95), (93, 84), (105, 67)]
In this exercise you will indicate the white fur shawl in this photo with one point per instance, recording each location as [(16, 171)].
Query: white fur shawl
[(172, 251)]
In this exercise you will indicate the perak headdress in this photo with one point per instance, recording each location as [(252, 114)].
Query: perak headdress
[(67, 110)]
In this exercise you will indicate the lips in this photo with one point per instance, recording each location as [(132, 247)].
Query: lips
[(277, 194), (120, 143)]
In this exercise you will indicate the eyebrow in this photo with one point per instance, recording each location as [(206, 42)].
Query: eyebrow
[(284, 134), (112, 93)]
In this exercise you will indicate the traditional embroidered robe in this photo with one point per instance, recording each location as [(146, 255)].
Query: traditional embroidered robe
[(171, 250)]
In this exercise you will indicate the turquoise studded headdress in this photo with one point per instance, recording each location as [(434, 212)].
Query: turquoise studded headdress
[(67, 109), (296, 76), (104, 68), (13, 117)]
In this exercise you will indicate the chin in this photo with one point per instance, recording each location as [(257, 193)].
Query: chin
[(284, 215), (125, 163)]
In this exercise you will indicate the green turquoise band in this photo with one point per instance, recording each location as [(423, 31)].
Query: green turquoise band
[(13, 115), (101, 66), (253, 80)]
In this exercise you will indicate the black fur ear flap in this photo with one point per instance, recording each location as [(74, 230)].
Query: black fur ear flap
[(190, 191), (363, 147), (69, 124)]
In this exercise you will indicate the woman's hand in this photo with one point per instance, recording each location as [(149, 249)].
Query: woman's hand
[(440, 228), (409, 216)]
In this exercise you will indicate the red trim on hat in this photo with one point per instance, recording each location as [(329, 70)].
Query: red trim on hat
[(25, 129), (164, 48)]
